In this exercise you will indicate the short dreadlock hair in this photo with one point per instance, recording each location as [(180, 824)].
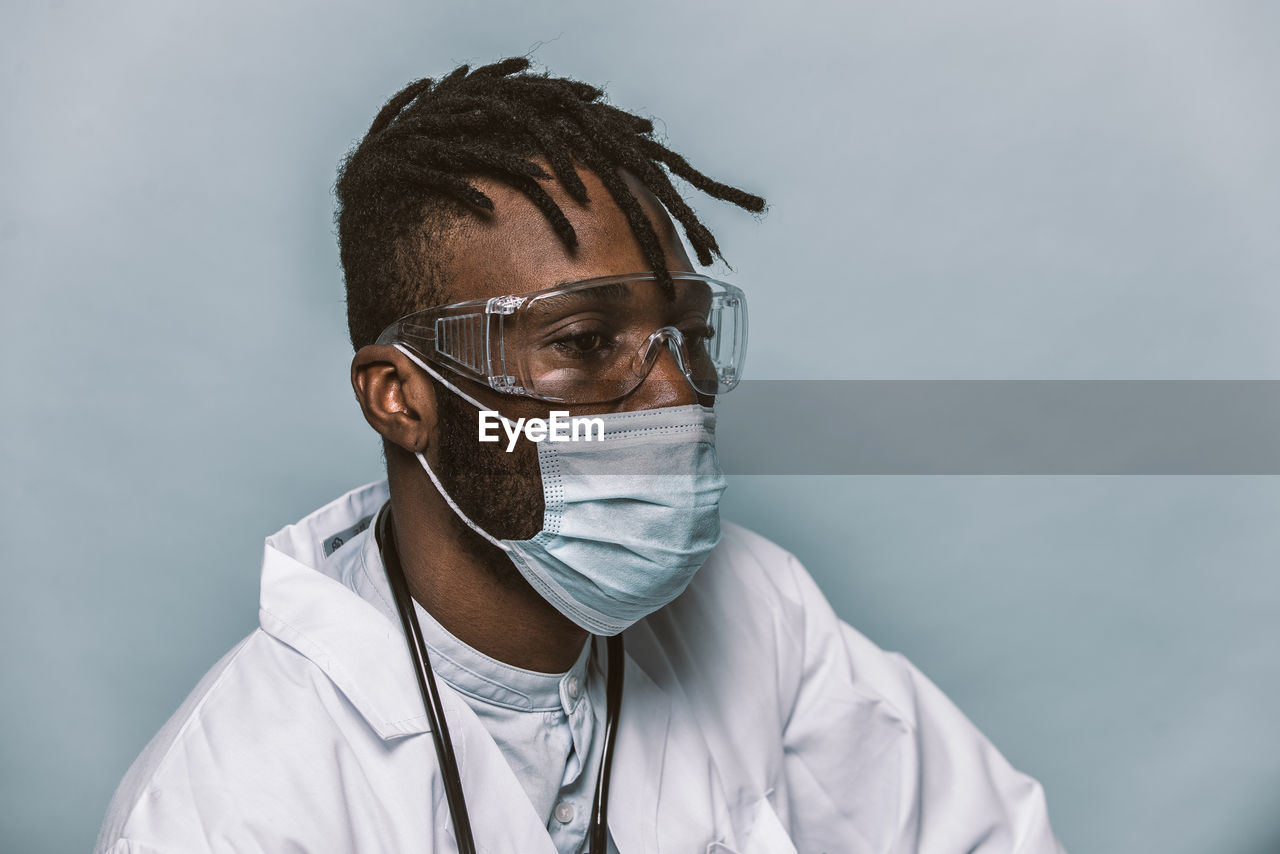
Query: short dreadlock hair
[(403, 185)]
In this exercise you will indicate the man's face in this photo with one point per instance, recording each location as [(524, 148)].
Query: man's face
[(515, 250)]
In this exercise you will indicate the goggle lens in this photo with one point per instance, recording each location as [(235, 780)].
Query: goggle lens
[(589, 342)]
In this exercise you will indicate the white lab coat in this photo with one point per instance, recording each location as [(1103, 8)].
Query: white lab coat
[(753, 720)]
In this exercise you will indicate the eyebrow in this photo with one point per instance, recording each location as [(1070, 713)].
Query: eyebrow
[(616, 292)]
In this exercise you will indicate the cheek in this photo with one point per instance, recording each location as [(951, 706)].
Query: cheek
[(500, 491)]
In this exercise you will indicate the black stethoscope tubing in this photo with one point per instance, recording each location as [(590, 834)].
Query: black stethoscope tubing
[(597, 833)]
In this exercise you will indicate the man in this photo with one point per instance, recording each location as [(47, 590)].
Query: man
[(504, 647)]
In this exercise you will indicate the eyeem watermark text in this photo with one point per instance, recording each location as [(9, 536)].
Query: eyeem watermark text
[(559, 427)]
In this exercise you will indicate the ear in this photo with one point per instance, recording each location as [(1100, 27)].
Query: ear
[(396, 396)]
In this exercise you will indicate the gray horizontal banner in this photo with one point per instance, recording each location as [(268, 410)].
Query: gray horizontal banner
[(1045, 427)]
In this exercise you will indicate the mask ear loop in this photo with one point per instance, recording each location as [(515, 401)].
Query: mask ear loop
[(453, 388), (435, 481)]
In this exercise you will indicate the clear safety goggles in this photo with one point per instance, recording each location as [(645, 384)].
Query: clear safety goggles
[(592, 341)]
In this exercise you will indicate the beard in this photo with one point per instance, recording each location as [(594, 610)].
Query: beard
[(500, 492)]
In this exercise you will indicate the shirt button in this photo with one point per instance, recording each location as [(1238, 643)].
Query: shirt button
[(564, 812), (573, 687)]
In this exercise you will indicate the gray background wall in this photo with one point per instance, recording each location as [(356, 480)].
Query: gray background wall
[(989, 189)]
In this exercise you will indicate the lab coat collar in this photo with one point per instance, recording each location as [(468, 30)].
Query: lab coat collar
[(304, 605)]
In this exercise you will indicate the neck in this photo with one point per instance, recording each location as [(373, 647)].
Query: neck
[(507, 621)]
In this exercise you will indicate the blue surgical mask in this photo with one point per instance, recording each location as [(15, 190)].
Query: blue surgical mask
[(628, 519)]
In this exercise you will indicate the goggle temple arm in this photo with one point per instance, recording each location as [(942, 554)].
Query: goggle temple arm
[(647, 356)]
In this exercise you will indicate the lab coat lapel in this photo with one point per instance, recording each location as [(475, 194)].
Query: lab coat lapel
[(502, 817), (666, 794)]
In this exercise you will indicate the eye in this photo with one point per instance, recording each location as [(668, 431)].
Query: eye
[(581, 343)]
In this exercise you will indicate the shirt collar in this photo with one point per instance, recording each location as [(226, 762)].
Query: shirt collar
[(465, 668)]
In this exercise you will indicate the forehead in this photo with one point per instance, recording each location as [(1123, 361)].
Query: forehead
[(514, 249)]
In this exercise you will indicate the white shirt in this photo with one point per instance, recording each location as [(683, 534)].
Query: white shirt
[(753, 720)]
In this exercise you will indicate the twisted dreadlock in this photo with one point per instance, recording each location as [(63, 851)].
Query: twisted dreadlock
[(401, 188)]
